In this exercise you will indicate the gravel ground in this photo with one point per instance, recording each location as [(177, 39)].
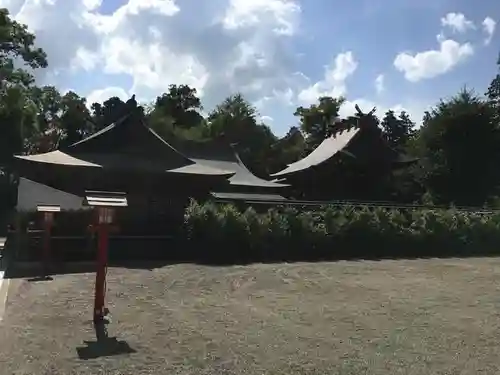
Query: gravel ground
[(388, 317)]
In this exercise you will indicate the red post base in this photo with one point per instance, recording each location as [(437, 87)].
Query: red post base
[(100, 280)]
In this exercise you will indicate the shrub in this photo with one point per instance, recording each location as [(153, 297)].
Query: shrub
[(282, 233)]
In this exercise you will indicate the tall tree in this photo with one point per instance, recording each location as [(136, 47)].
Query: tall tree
[(17, 44), (75, 119), (62, 119), (397, 130), (287, 149), (236, 119), (459, 146), (176, 114), (47, 100), (182, 105), (108, 112), (17, 111), (319, 121), (493, 94)]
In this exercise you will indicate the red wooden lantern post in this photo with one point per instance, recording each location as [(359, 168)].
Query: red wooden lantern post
[(105, 205), (48, 221)]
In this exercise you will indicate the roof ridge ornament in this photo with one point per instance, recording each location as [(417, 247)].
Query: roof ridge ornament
[(366, 120), (132, 109)]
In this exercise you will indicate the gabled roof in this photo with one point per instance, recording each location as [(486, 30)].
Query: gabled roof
[(119, 161), (129, 136), (127, 144), (364, 144), (326, 150), (220, 155)]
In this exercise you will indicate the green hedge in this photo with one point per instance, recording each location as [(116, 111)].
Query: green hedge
[(224, 233)]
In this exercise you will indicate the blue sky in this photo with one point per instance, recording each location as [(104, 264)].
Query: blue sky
[(279, 53)]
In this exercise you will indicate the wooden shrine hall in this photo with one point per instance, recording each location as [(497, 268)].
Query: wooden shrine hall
[(344, 163), (127, 156)]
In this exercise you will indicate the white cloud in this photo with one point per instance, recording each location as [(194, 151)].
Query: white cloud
[(489, 26), (60, 31), (432, 63), (125, 13), (284, 14), (266, 119), (334, 80), (457, 22), (334, 84), (379, 84), (151, 66), (217, 46), (84, 59), (101, 95), (92, 4)]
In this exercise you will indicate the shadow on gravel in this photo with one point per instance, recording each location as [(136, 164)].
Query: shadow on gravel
[(104, 346), (143, 256), (34, 271), (39, 279)]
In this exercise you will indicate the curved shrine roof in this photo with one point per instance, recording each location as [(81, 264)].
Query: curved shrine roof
[(127, 144), (363, 144), (327, 149), (219, 154), (119, 161)]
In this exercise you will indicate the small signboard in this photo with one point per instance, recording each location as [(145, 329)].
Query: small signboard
[(105, 199), (48, 208), (105, 203)]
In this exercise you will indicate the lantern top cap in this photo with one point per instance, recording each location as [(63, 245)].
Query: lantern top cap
[(105, 199), (48, 208)]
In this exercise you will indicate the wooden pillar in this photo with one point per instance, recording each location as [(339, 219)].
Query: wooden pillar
[(104, 204), (100, 280), (47, 251)]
